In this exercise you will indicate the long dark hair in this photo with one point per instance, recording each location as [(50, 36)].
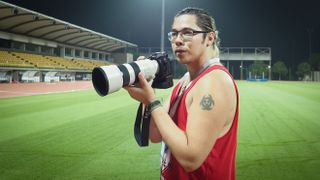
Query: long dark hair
[(204, 21)]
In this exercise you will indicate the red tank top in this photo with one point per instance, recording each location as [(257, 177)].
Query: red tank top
[(220, 163)]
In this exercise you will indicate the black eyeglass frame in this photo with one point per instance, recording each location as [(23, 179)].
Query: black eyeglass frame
[(194, 32)]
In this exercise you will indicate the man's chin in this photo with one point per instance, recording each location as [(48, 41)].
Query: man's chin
[(182, 60)]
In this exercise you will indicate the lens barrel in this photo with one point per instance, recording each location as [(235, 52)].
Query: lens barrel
[(109, 79)]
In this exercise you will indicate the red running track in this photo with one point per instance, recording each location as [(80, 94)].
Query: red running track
[(27, 89)]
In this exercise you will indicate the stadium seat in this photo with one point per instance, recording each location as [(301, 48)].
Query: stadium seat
[(8, 59), (27, 60)]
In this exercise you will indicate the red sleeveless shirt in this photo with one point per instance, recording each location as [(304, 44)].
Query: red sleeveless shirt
[(220, 163)]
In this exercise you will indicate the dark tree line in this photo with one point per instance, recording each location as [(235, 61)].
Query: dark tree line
[(280, 70)]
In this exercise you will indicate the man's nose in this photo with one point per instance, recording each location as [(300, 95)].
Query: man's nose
[(179, 39)]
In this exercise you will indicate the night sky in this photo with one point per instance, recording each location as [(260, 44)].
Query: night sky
[(281, 25)]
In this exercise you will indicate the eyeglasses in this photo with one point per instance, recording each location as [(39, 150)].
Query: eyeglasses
[(185, 34)]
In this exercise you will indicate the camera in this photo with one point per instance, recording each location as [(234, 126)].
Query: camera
[(109, 79)]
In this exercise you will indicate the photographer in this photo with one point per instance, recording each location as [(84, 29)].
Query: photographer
[(198, 124)]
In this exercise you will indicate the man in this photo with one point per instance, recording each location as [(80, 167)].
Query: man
[(198, 124)]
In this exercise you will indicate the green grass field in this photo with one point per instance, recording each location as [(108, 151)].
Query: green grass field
[(80, 135)]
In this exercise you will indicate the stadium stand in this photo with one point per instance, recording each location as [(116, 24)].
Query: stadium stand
[(90, 64), (38, 61), (66, 63), (19, 59), (38, 48)]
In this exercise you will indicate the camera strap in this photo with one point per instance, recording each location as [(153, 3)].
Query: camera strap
[(206, 65), (141, 127)]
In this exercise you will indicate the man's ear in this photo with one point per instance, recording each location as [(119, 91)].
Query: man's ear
[(211, 38)]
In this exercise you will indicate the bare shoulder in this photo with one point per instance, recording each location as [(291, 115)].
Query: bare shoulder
[(216, 86), (217, 81), (214, 100)]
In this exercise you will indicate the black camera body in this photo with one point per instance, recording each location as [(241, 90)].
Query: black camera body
[(164, 78)]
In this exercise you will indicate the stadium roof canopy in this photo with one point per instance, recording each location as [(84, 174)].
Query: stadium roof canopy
[(18, 20)]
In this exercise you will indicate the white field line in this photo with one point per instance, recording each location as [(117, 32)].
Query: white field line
[(38, 93)]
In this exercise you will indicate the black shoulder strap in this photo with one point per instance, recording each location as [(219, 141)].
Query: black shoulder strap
[(141, 129)]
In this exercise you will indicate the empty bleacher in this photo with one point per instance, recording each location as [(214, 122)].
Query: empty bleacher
[(7, 59), (90, 64), (66, 63), (27, 60), (39, 61)]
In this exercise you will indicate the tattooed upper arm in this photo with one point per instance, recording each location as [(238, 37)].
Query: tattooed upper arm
[(207, 102)]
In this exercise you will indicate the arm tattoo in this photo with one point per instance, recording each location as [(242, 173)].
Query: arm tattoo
[(207, 102)]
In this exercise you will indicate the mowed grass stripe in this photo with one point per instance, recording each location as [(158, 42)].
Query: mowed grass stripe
[(80, 135), (72, 136), (70, 107), (278, 131)]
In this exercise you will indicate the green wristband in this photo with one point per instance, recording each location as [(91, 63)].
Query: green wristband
[(153, 105)]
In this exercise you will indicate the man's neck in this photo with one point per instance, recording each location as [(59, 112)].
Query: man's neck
[(197, 66), (194, 69)]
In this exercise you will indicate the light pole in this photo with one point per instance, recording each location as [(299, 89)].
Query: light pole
[(162, 26), (310, 31), (243, 68), (269, 68), (241, 71)]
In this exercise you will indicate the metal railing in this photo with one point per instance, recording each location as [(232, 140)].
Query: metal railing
[(226, 53)]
